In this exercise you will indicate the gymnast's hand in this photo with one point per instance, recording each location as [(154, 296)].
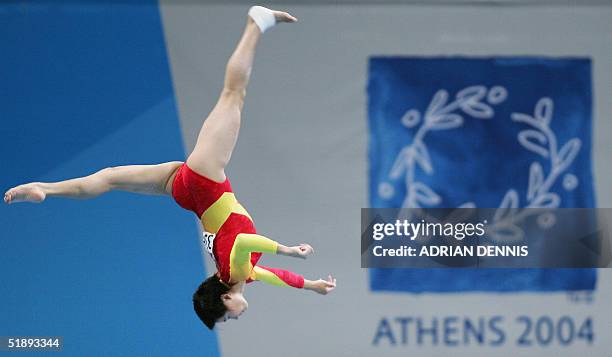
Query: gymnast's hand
[(302, 251), (321, 286), (299, 251)]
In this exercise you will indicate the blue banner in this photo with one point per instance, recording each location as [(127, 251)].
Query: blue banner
[(508, 133)]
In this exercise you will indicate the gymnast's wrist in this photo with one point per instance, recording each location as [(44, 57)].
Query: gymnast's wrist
[(288, 251), (308, 284), (284, 250)]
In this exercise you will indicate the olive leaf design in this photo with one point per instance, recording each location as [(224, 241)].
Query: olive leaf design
[(474, 101), (477, 102)]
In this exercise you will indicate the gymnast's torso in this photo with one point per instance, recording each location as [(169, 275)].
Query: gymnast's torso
[(222, 217)]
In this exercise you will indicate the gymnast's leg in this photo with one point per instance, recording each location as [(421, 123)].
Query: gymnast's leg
[(146, 179), (219, 132)]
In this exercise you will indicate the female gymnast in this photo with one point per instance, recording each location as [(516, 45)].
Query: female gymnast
[(200, 185)]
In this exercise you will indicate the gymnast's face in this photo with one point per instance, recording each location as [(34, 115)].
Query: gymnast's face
[(236, 305)]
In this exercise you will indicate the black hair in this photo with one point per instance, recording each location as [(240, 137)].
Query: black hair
[(207, 301)]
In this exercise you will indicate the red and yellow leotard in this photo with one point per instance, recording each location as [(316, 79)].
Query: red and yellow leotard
[(237, 246)]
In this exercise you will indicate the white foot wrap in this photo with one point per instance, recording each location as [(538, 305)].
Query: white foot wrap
[(264, 18)]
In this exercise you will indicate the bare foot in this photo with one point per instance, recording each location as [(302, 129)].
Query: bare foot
[(282, 16), (30, 192)]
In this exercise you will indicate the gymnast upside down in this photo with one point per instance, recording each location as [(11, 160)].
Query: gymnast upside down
[(200, 185)]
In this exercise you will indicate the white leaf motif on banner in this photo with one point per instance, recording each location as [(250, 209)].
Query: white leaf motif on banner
[(479, 110), (470, 102), (411, 118), (461, 213), (473, 93), (536, 178), (506, 232), (570, 182), (438, 101), (422, 157), (401, 162), (533, 140), (547, 200), (547, 220), (496, 95), (385, 190), (568, 153), (527, 119), (447, 121), (424, 194), (507, 207), (543, 110)]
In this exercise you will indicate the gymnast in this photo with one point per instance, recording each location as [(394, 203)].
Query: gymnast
[(200, 185)]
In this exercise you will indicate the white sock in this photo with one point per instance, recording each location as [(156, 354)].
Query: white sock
[(263, 17)]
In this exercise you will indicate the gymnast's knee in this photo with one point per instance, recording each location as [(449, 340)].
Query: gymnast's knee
[(234, 95)]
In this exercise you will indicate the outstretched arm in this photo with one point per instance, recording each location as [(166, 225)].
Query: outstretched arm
[(247, 243), (277, 277), (147, 179), (280, 277)]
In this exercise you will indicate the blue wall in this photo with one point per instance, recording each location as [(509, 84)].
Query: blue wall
[(85, 87)]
